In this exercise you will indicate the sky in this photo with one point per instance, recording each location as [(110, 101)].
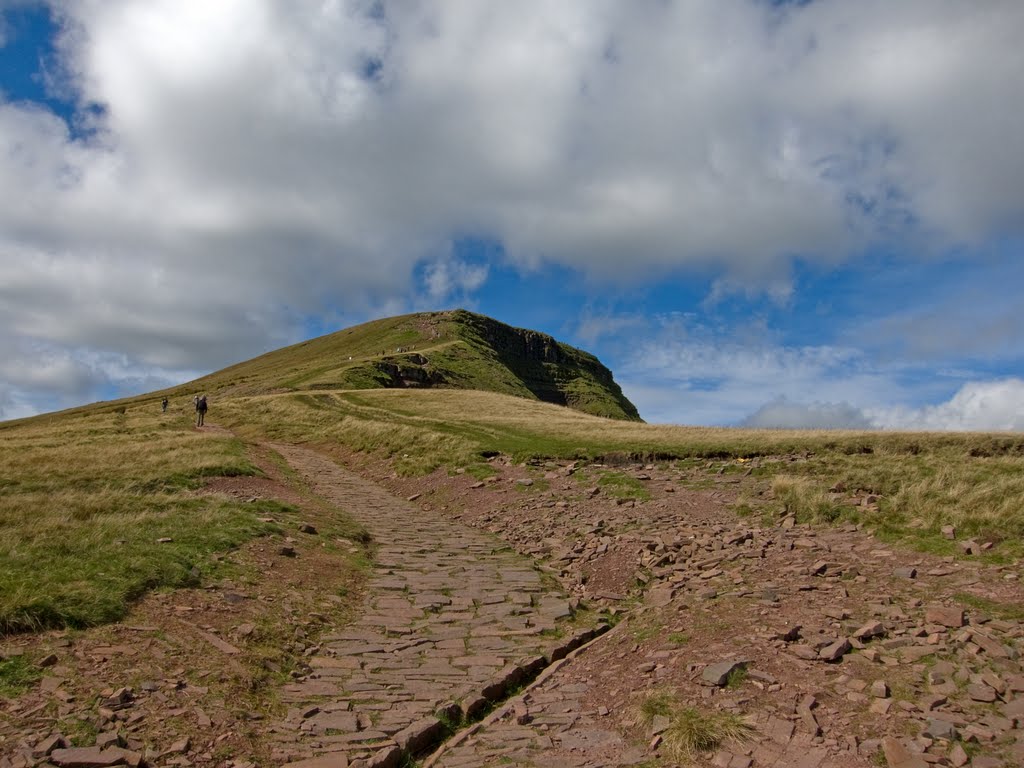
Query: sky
[(755, 212)]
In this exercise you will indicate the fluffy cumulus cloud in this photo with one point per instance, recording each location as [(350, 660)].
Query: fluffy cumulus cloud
[(978, 406), (233, 168)]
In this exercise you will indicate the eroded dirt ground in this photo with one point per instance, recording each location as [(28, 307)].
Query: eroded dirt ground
[(832, 648)]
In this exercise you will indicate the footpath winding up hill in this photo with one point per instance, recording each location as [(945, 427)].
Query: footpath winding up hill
[(356, 563)]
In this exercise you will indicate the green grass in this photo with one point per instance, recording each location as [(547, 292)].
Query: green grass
[(17, 675), (736, 678), (80, 732), (678, 639), (645, 632), (619, 485), (995, 609), (84, 501)]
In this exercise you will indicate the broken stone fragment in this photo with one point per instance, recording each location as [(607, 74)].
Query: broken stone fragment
[(109, 739), (881, 706), (945, 616), (121, 698), (718, 674), (419, 735), (905, 573), (47, 745), (940, 729), (788, 634), (286, 551), (898, 756), (981, 693), (180, 747), (804, 652), (307, 528), (958, 756), (835, 651), (659, 724), (870, 630)]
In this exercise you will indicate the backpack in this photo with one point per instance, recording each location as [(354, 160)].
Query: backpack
[(202, 403)]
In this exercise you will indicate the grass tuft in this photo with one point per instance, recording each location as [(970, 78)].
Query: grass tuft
[(694, 732), (691, 732)]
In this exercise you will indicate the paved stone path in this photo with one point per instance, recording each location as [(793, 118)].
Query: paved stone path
[(453, 619)]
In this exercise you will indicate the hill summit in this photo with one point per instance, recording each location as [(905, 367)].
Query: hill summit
[(452, 349)]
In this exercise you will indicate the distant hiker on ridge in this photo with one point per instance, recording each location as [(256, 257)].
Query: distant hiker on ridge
[(200, 410), (163, 404)]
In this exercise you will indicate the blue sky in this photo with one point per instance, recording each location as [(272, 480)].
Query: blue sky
[(756, 213)]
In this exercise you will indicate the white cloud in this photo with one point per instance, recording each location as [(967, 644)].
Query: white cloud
[(447, 277), (978, 406), (256, 162), (782, 414)]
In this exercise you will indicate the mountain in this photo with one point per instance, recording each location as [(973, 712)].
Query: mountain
[(452, 349)]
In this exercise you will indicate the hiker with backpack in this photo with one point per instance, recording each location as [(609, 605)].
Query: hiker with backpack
[(163, 404), (200, 410)]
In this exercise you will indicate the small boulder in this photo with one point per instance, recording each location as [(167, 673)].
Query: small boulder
[(940, 729), (835, 651), (945, 616), (718, 674), (870, 630)]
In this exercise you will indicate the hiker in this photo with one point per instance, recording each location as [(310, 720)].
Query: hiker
[(163, 404), (200, 410)]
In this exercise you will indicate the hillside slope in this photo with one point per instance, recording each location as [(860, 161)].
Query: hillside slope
[(453, 349)]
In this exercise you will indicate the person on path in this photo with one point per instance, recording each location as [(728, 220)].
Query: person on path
[(200, 410), (163, 404)]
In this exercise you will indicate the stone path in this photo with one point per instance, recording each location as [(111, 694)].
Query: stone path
[(453, 620)]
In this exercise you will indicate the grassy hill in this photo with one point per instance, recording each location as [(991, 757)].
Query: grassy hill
[(453, 349)]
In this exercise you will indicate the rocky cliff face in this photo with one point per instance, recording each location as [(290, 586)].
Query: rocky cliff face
[(554, 372)]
